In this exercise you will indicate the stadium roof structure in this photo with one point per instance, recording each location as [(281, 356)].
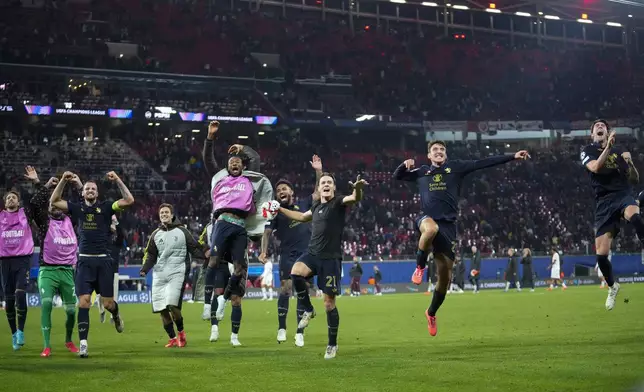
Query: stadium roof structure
[(600, 10)]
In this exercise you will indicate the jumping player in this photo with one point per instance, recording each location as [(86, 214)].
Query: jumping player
[(235, 193), (293, 239), (440, 185), (117, 241), (205, 240), (57, 260), (95, 269), (324, 255), (16, 249), (611, 174), (167, 252)]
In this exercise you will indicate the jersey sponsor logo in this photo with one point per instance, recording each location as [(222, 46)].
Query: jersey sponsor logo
[(89, 217), (437, 178), (448, 170)]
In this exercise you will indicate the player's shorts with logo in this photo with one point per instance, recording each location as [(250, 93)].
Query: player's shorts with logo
[(287, 259), (445, 240), (609, 211), (328, 271), (15, 274), (168, 286), (229, 239), (95, 273)]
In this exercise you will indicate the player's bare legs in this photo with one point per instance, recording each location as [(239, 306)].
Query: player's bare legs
[(333, 322), (428, 230), (177, 317), (299, 273), (444, 273), (602, 245)]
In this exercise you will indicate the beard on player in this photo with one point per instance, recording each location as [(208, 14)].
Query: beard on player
[(90, 192), (285, 193)]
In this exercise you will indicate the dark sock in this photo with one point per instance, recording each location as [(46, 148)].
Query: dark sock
[(179, 323), (606, 268), (300, 312), (21, 309), (115, 310), (83, 323), (234, 280), (437, 301), (11, 313), (333, 321), (638, 223), (235, 318), (169, 329), (421, 258), (282, 310), (213, 310), (302, 293), (70, 310), (207, 294)]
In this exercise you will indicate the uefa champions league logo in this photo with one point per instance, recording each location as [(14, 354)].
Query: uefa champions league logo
[(144, 298), (33, 300)]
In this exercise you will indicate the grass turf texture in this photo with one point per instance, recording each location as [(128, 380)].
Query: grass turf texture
[(493, 341)]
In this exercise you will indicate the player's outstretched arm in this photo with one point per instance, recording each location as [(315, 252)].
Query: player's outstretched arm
[(316, 164), (266, 240), (632, 174), (296, 215), (56, 198), (357, 194), (208, 151), (150, 255), (406, 171), (472, 166), (126, 199)]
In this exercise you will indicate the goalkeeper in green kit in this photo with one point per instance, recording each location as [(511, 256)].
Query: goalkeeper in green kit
[(58, 254)]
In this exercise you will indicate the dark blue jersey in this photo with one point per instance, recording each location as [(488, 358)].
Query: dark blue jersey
[(293, 236), (440, 187), (613, 176), (93, 226)]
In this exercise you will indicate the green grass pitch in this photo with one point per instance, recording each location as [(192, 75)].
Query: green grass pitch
[(493, 341)]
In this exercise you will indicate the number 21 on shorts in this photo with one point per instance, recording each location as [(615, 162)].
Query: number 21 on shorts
[(331, 281)]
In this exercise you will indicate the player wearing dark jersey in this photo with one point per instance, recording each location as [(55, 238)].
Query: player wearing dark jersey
[(95, 269), (611, 172), (293, 239), (440, 186), (324, 255)]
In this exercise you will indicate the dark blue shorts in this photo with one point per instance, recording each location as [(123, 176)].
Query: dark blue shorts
[(286, 263), (229, 240), (609, 211), (95, 274), (328, 271), (445, 240), (15, 274)]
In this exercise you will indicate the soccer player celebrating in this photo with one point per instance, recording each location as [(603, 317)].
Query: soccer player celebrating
[(235, 193), (440, 185), (205, 240), (611, 174), (16, 249), (57, 260), (294, 238), (167, 251), (324, 255), (95, 269), (118, 238)]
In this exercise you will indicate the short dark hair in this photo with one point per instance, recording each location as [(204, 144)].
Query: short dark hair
[(327, 174), (431, 143), (599, 120), (11, 191), (286, 182), (168, 206)]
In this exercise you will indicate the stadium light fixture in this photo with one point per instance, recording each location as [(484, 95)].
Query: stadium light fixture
[(398, 1), (429, 4), (157, 124), (614, 24), (523, 14), (150, 124), (195, 131), (630, 16), (165, 139), (493, 10), (552, 17), (540, 13), (264, 65), (242, 137), (460, 7), (587, 21), (448, 5), (121, 55), (261, 133)]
